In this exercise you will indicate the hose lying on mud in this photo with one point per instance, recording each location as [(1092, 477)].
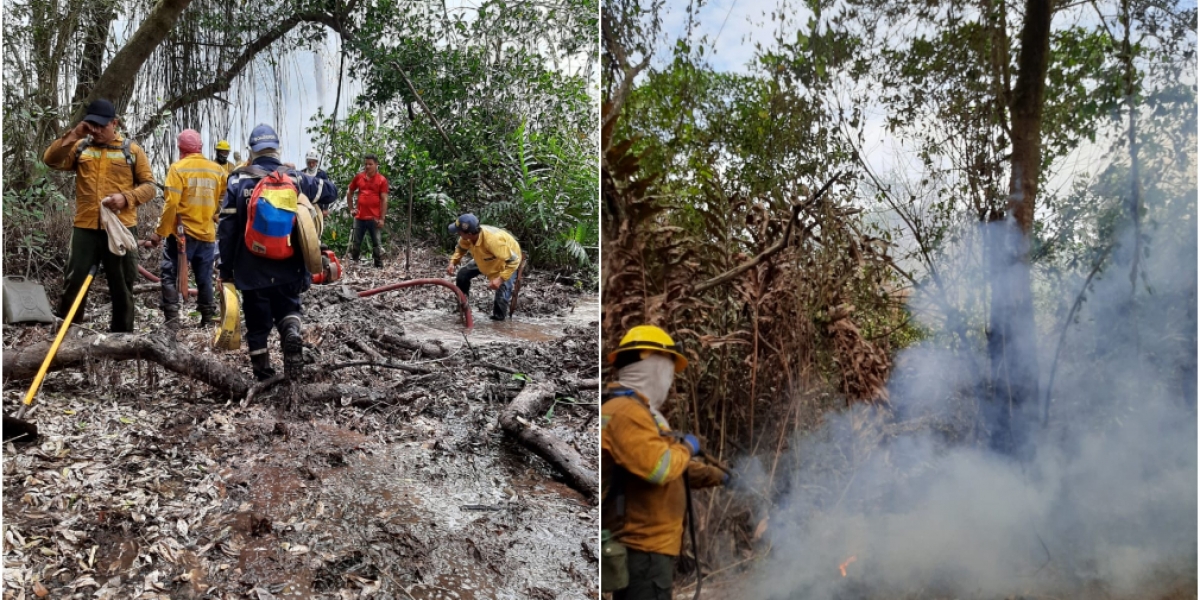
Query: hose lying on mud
[(463, 305)]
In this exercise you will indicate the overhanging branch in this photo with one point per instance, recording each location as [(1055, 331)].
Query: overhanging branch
[(737, 271), (225, 78)]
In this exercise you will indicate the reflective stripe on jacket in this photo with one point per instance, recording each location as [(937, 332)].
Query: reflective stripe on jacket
[(632, 438), (497, 253), (101, 171), (195, 189)]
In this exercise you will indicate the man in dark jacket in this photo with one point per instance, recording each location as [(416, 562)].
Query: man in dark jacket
[(270, 288)]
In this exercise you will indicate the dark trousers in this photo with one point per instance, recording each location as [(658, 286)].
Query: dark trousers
[(200, 256), (89, 247), (650, 576), (503, 295), (265, 308), (361, 229)]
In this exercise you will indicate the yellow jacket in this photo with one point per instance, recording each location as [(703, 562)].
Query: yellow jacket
[(634, 447), (101, 171), (228, 167), (195, 189), (497, 253)]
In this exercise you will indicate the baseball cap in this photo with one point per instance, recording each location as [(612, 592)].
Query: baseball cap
[(467, 223), (100, 112), (263, 137)]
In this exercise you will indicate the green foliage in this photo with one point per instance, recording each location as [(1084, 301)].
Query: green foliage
[(37, 226), (544, 207), (518, 147)]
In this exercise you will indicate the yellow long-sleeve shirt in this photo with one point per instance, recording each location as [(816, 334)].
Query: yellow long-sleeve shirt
[(633, 439), (100, 171), (195, 188), (497, 253)]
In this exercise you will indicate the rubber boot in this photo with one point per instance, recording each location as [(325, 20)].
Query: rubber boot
[(293, 346), (208, 315), (261, 365), (378, 262), (171, 318)]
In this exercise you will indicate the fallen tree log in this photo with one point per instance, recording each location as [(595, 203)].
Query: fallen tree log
[(161, 348), (517, 420), (394, 342), (157, 347)]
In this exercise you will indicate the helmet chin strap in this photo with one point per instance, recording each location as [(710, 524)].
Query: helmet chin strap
[(652, 377)]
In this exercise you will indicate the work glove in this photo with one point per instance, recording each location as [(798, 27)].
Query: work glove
[(692, 443), (733, 482)]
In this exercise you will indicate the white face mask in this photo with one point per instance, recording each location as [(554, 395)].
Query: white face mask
[(652, 376)]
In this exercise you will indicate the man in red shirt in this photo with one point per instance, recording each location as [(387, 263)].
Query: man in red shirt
[(371, 207)]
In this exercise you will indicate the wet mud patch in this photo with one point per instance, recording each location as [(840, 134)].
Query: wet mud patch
[(148, 485)]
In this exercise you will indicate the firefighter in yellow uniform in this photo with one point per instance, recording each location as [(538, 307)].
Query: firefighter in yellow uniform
[(497, 257), (195, 187), (643, 464), (222, 158)]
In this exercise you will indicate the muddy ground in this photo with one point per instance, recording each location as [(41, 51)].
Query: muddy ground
[(148, 485)]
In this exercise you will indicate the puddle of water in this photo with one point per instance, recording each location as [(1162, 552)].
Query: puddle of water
[(428, 325)]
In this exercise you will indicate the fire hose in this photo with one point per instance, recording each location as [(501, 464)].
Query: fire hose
[(156, 279), (463, 305), (691, 513)]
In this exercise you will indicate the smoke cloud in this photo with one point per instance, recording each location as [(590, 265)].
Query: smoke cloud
[(1105, 506)]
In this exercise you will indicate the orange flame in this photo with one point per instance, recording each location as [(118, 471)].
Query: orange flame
[(842, 567)]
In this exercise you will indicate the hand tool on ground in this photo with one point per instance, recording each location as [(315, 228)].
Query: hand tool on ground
[(62, 333)]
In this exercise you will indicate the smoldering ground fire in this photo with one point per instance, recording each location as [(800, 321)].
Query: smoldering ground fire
[(912, 502)]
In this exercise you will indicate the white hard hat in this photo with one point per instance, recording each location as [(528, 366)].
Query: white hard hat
[(312, 155)]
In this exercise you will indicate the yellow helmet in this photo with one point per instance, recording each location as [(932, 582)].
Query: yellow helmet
[(223, 145), (649, 337)]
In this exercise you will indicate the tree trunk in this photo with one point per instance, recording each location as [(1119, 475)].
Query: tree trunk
[(99, 18), (1012, 339), (116, 82)]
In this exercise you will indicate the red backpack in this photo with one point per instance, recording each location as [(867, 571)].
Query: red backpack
[(271, 216)]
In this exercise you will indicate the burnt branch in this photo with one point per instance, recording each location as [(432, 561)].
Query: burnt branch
[(517, 420)]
